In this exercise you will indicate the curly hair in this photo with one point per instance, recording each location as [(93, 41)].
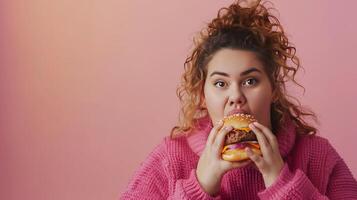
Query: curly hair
[(252, 28)]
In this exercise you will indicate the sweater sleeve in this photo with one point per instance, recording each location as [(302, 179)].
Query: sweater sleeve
[(341, 184), (155, 180), (150, 181), (191, 189)]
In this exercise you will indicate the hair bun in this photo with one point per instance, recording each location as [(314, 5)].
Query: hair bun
[(250, 15)]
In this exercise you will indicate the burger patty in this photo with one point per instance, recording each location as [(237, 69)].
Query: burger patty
[(236, 136)]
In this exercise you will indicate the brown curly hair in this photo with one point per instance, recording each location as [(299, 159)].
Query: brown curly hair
[(252, 28)]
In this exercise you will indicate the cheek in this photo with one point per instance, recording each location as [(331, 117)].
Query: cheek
[(214, 102), (213, 99), (260, 104)]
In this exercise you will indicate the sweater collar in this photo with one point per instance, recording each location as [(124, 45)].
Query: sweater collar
[(197, 139)]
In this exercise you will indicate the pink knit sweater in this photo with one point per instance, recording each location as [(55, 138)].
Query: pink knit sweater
[(312, 170)]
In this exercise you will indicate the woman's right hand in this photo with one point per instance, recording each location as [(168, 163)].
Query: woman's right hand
[(211, 167)]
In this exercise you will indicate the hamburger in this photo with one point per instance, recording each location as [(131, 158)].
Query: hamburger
[(239, 138)]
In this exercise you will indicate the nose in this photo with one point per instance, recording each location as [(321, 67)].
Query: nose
[(236, 98)]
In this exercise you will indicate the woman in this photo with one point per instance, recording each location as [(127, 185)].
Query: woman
[(240, 64)]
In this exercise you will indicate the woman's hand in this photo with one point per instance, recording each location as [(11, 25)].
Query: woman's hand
[(271, 163), (211, 167)]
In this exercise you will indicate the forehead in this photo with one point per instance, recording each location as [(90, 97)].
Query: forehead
[(234, 61)]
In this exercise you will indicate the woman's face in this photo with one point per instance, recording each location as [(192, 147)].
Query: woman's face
[(236, 81)]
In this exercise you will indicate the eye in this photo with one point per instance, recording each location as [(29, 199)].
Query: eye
[(250, 81), (220, 84)]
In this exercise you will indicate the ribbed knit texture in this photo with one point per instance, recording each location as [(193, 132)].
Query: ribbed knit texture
[(312, 170)]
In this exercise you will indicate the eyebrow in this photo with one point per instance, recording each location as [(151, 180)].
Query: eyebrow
[(242, 74)]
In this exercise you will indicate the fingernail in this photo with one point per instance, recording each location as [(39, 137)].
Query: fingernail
[(251, 125)]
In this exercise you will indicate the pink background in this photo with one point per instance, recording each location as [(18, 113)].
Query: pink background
[(81, 79)]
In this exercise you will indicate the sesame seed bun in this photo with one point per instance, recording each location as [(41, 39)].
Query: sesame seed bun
[(236, 155), (239, 121)]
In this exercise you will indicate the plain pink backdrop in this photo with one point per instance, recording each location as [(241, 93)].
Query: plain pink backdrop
[(80, 80)]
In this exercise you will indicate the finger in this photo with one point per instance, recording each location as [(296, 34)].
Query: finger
[(258, 160), (219, 140), (214, 131), (262, 140), (269, 135)]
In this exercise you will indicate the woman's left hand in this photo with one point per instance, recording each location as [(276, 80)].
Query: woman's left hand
[(271, 162)]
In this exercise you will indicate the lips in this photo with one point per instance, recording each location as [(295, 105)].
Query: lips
[(237, 111)]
